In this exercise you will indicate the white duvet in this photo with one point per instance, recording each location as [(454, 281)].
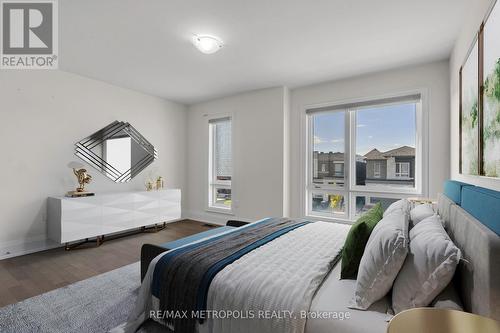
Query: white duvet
[(271, 288)]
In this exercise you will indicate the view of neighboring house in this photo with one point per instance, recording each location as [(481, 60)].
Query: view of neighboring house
[(396, 166), (393, 167), (329, 167)]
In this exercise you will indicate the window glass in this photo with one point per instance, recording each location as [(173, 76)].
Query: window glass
[(364, 203), (328, 149), (222, 150), (331, 203), (376, 169), (222, 197), (385, 146), (220, 164)]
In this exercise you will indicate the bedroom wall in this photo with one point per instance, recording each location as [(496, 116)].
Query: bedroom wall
[(434, 77), (43, 114), (259, 155), (470, 28)]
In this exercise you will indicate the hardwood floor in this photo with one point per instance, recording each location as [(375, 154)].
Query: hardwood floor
[(30, 275)]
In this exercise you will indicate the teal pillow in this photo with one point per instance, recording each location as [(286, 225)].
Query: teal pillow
[(356, 240)]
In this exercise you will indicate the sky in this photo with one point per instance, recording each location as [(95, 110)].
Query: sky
[(384, 128)]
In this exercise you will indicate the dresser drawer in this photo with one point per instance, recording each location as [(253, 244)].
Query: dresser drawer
[(77, 229)]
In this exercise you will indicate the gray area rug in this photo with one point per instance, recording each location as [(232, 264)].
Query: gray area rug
[(94, 305)]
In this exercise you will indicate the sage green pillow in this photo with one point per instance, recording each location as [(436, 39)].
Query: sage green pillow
[(356, 240)]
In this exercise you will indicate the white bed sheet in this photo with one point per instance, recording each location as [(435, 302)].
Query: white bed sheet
[(334, 296)]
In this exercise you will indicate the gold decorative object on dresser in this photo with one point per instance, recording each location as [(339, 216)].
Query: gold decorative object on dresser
[(83, 178), (159, 183), (154, 185), (433, 320)]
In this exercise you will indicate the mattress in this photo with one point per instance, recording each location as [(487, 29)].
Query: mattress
[(329, 310), (332, 300)]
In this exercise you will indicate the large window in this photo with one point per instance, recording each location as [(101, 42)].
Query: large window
[(363, 153), (220, 164)]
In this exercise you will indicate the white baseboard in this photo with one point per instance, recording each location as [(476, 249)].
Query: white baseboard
[(26, 246)]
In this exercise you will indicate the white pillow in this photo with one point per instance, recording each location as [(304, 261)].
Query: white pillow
[(382, 259), (429, 267), (420, 212), (398, 206)]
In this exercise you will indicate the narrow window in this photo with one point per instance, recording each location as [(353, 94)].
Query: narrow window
[(220, 163), (376, 169)]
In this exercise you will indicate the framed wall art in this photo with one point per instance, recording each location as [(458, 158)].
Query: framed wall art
[(491, 94), (469, 112), (480, 101)]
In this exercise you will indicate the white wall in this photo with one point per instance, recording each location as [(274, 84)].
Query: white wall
[(433, 77), (470, 27), (258, 155), (42, 115), (267, 140), (59, 108)]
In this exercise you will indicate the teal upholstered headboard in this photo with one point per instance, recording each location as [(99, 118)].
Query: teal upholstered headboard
[(453, 190), (482, 203)]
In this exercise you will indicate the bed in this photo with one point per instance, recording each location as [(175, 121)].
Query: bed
[(327, 297)]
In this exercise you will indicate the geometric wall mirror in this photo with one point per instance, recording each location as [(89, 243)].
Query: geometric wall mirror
[(118, 151)]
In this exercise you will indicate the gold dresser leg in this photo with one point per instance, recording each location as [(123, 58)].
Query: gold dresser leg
[(98, 242)]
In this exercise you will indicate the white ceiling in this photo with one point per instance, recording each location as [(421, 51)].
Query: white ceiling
[(146, 45)]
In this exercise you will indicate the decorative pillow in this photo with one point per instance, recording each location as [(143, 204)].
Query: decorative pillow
[(356, 241), (420, 212), (429, 267), (384, 255), (398, 206)]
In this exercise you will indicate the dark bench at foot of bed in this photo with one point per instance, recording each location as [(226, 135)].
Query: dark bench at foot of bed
[(150, 251)]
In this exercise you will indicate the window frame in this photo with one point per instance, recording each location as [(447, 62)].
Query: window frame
[(338, 164), (312, 187), (377, 174), (400, 173), (418, 189), (213, 183), (350, 190)]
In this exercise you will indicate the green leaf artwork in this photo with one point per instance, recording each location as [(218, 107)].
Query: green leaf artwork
[(491, 95), (470, 114)]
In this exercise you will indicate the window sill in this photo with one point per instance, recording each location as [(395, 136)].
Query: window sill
[(328, 219), (387, 190), (226, 211)]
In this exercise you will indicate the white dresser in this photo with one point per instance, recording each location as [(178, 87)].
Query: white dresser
[(73, 219)]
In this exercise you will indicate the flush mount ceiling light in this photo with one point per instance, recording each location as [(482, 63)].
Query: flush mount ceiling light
[(207, 44)]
